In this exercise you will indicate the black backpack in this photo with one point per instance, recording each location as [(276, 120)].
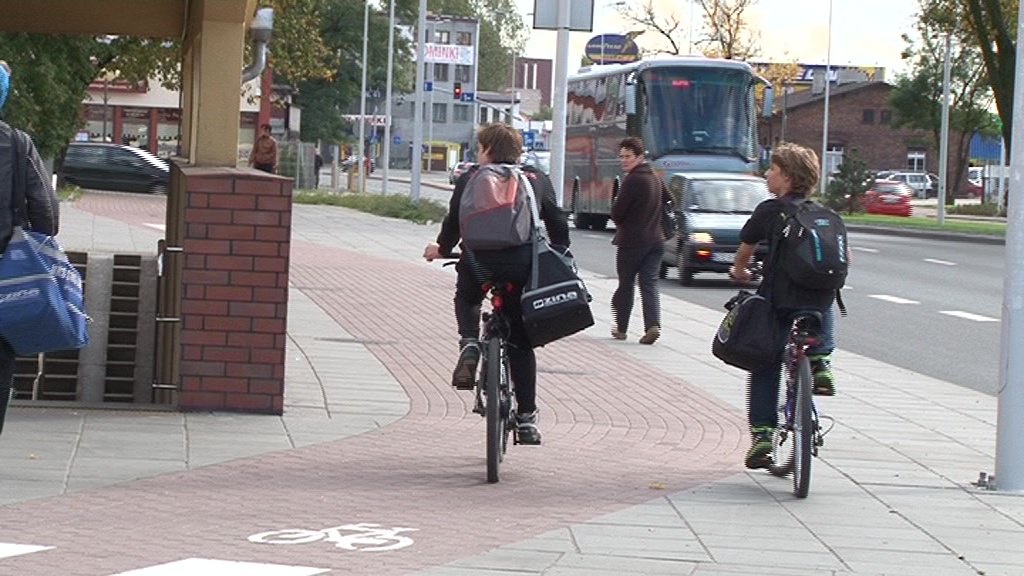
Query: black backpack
[(811, 246)]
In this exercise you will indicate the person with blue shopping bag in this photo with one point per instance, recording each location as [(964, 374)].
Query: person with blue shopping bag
[(40, 211)]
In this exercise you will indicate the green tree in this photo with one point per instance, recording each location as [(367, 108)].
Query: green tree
[(992, 24), (52, 73), (917, 96), (848, 184)]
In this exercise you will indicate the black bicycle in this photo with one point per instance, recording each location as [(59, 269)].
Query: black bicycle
[(495, 397), (798, 434)]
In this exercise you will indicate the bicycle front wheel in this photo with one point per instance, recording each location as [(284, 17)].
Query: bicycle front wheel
[(783, 438), (495, 420), (803, 429)]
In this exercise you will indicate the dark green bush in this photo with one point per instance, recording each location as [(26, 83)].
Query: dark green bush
[(976, 210), (391, 205)]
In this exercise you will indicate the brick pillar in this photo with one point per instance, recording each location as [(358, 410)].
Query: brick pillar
[(234, 290)]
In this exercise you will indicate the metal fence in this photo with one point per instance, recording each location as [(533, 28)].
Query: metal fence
[(296, 160)]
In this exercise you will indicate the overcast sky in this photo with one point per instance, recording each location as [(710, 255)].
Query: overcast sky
[(864, 32)]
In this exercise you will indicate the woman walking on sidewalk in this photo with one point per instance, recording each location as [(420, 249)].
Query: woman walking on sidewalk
[(640, 240)]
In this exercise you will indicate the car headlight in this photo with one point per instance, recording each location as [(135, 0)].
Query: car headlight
[(701, 238)]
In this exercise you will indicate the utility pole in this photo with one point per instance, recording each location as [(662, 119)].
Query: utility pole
[(1010, 419), (824, 131), (417, 130), (557, 143), (362, 105), (944, 136), (387, 106)]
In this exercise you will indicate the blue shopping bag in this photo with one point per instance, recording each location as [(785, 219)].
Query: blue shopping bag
[(41, 300)]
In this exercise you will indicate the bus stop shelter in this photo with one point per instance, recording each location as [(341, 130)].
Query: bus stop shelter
[(223, 291)]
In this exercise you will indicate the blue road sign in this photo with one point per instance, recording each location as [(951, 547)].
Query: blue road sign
[(529, 138), (468, 96), (397, 140), (428, 86)]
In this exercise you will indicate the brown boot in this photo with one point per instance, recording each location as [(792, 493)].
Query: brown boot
[(651, 335)]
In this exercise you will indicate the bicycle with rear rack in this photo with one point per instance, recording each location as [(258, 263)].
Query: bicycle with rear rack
[(494, 396), (798, 434)]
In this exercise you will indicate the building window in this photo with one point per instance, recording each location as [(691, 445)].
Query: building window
[(441, 72), (464, 38), (443, 37), (460, 113), (440, 112), (885, 117), (916, 160), (868, 116), (461, 73)]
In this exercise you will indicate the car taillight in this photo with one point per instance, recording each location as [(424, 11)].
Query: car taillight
[(702, 253)]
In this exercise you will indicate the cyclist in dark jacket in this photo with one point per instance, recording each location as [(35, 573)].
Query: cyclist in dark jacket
[(40, 211), (497, 143)]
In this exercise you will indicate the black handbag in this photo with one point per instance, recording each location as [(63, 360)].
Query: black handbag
[(555, 301), (749, 336)]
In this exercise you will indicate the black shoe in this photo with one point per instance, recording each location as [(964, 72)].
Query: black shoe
[(526, 428), (464, 377)]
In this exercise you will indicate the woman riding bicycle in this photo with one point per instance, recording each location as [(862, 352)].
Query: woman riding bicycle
[(792, 176), (499, 144)]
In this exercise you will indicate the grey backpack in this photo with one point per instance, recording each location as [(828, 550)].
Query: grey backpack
[(494, 212)]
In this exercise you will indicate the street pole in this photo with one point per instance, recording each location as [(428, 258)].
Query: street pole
[(944, 136), (387, 107), (417, 130), (430, 107), (824, 131), (692, 3), (557, 144), (362, 104), (1010, 419), (512, 91)]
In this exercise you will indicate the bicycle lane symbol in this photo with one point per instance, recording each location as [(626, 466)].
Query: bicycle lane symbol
[(362, 537)]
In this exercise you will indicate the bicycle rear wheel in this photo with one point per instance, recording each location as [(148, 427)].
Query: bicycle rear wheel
[(495, 419), (803, 429)]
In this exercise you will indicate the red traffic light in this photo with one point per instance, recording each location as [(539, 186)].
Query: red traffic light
[(457, 91)]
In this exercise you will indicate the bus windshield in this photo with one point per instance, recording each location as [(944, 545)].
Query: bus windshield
[(697, 110)]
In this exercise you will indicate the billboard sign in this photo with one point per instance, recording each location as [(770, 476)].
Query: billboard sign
[(612, 49), (448, 54)]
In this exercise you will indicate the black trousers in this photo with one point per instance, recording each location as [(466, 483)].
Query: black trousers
[(469, 294), (268, 168), (632, 264), (6, 378)]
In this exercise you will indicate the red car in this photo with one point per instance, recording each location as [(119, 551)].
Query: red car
[(888, 197)]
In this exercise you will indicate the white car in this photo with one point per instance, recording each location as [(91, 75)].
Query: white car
[(918, 182)]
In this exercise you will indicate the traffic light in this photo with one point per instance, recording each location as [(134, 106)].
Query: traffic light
[(457, 91)]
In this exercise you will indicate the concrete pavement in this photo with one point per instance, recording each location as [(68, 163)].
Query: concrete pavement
[(639, 472)]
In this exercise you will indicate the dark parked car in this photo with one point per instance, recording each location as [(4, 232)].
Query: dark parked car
[(712, 209), (103, 166)]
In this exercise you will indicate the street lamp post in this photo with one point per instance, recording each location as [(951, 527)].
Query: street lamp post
[(417, 131), (824, 132), (362, 103), (387, 106)]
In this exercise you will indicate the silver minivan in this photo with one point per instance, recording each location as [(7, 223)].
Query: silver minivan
[(918, 182)]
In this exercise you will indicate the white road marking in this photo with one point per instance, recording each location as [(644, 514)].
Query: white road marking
[(8, 550), (862, 249), (893, 299), (160, 227), (968, 316), (198, 566), (943, 262)]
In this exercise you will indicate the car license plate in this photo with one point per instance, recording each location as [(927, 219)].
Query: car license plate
[(723, 257)]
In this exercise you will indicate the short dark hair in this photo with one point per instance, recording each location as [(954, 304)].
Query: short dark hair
[(503, 144), (634, 145), (265, 127)]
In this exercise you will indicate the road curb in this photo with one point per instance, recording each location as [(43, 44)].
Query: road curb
[(929, 234)]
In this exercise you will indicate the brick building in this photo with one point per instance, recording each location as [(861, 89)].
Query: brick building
[(860, 120)]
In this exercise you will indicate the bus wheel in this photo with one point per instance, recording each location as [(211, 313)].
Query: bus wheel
[(582, 221), (598, 222)]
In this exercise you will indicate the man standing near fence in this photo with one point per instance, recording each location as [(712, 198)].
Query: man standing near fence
[(264, 152), (40, 212)]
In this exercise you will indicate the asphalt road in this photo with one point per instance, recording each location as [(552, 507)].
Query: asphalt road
[(931, 306)]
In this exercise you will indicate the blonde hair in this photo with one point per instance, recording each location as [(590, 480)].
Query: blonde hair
[(799, 163)]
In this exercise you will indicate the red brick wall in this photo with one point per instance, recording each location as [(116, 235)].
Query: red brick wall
[(235, 290), (880, 145)]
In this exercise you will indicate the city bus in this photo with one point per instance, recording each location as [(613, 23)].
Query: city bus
[(694, 114)]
